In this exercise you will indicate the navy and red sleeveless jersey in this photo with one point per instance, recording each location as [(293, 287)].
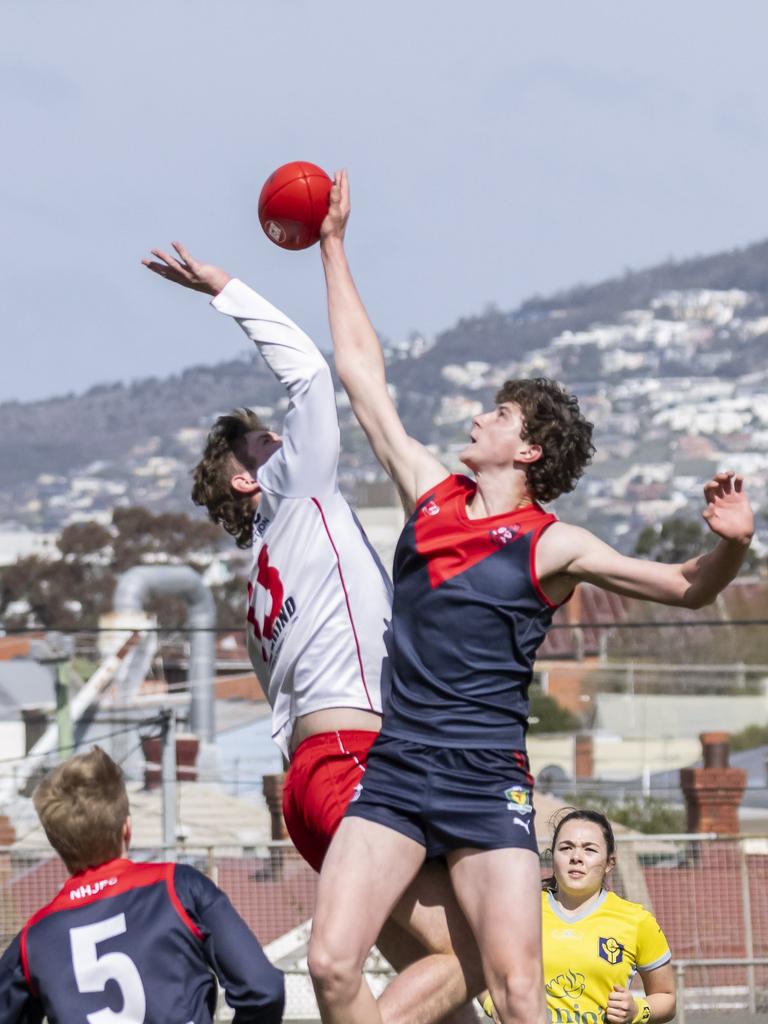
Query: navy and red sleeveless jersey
[(468, 617), (129, 943)]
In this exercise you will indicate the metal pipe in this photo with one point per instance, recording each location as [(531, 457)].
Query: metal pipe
[(133, 589)]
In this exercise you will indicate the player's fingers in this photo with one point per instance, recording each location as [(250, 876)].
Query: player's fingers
[(170, 261), (157, 268), (345, 204), (738, 484), (190, 261)]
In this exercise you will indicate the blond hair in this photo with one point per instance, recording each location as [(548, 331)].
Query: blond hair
[(83, 806)]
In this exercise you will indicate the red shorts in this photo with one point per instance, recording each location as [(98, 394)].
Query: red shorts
[(321, 780)]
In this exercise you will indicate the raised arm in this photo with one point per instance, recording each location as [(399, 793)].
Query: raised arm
[(308, 460), (360, 363), (569, 554)]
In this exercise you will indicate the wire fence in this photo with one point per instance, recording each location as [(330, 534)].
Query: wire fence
[(708, 893)]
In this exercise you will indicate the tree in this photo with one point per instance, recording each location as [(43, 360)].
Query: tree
[(73, 591), (679, 539), (676, 540), (546, 715)]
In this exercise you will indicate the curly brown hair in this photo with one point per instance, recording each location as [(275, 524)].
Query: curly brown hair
[(551, 419), (225, 454)]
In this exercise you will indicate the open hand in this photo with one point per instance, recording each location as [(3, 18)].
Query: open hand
[(728, 512), (186, 271), (621, 1007), (335, 223)]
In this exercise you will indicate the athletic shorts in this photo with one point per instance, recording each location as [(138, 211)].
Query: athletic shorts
[(324, 773), (447, 799)]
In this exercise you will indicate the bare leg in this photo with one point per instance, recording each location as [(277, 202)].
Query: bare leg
[(500, 893), (366, 870), (430, 991), (440, 983)]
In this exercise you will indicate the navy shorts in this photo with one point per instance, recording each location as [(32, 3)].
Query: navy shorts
[(446, 799)]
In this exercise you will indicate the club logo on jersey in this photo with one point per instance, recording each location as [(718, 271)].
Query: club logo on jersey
[(269, 611), (504, 534), (91, 888), (610, 950), (430, 509), (569, 985), (356, 793), (518, 799)]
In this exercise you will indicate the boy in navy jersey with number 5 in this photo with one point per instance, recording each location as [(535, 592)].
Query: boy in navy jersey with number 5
[(122, 942), (479, 570)]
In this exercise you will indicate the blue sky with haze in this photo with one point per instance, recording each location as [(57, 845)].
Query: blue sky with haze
[(495, 150)]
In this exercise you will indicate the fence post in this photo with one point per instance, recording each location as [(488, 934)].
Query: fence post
[(746, 909), (168, 776), (680, 993)]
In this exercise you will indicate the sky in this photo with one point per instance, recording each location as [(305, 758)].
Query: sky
[(495, 150)]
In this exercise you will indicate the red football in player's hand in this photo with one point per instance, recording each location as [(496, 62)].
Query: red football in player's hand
[(293, 204)]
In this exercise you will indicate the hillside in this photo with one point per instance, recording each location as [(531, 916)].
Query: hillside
[(670, 362)]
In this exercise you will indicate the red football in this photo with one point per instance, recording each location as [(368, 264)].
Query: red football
[(293, 203)]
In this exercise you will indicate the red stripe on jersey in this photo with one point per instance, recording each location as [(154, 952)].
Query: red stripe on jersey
[(25, 960), (451, 543), (534, 575), (177, 904), (349, 606)]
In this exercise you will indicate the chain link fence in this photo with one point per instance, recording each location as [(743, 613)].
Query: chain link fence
[(709, 894)]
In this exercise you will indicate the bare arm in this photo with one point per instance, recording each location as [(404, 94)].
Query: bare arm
[(307, 462), (360, 363), (568, 555)]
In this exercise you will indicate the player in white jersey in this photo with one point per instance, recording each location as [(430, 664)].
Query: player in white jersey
[(318, 609)]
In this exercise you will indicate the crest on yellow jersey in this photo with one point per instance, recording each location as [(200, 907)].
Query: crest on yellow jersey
[(611, 950)]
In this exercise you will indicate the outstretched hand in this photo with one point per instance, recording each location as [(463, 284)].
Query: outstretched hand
[(186, 271), (335, 223), (728, 512)]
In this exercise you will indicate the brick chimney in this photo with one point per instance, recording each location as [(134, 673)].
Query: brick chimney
[(583, 756), (187, 747), (272, 787), (713, 793), (7, 831)]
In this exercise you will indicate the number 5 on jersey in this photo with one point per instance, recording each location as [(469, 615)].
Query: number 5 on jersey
[(92, 972)]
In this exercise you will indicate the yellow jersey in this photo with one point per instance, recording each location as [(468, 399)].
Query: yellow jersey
[(586, 955)]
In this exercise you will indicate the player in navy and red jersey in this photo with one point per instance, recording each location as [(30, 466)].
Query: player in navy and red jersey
[(124, 942), (479, 569)]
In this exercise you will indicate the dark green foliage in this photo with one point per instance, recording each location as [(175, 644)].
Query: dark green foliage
[(750, 737), (73, 591), (639, 813), (676, 540), (679, 539), (546, 715)]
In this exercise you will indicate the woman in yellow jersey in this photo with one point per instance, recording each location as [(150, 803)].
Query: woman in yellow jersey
[(593, 940)]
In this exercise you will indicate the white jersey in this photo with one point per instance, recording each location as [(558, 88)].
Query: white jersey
[(319, 600)]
